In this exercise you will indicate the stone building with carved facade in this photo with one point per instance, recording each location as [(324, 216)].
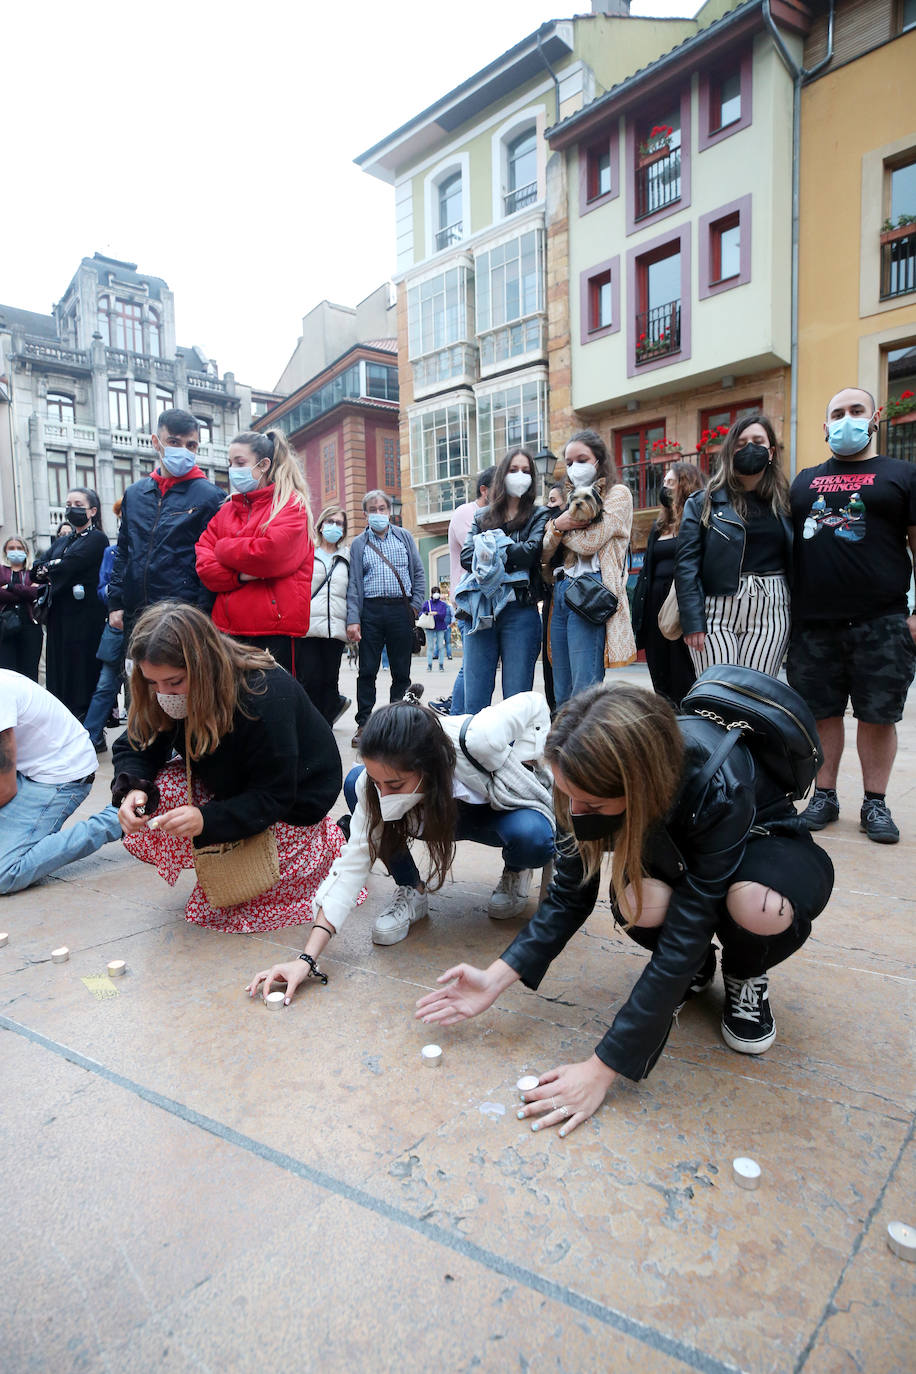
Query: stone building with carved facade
[(84, 386)]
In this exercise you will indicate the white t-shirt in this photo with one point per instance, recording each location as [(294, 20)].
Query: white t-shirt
[(51, 745)]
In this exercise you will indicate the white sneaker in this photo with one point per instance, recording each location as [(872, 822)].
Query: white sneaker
[(406, 907), (510, 896)]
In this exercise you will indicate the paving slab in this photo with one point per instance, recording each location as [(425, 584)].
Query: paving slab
[(194, 1182)]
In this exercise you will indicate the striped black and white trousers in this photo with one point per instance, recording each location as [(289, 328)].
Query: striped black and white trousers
[(750, 628)]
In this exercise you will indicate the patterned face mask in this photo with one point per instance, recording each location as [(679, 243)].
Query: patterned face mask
[(174, 704)]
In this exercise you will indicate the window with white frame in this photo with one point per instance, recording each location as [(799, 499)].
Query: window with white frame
[(449, 226), (439, 327), (516, 414), (510, 298), (521, 171), (441, 458)]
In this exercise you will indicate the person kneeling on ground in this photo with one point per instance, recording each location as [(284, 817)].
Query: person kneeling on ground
[(686, 866), (47, 766), (441, 779), (260, 756)]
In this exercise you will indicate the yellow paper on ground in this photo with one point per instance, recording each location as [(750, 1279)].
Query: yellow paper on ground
[(100, 985)]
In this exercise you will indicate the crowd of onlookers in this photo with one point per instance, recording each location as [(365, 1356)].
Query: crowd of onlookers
[(226, 621)]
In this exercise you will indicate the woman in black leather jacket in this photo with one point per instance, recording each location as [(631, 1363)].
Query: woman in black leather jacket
[(514, 638), (688, 864), (734, 556)]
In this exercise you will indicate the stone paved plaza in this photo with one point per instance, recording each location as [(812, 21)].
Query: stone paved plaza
[(192, 1182)]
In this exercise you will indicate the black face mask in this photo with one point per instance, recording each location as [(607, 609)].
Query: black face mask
[(77, 517), (592, 825), (751, 459), (666, 498)]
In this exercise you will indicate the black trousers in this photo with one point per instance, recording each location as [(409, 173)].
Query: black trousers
[(21, 653), (318, 667), (284, 648), (386, 623)]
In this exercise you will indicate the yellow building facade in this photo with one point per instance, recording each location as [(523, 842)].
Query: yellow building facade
[(857, 261)]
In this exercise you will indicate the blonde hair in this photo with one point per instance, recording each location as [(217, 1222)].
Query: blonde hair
[(220, 671), (617, 741), (18, 539), (285, 473)]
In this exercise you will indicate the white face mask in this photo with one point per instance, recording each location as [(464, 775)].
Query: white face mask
[(517, 483), (396, 805), (582, 474), (174, 704)]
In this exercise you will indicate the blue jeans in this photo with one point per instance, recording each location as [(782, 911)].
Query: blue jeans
[(458, 688), (104, 698), (524, 836), (435, 647), (576, 648), (516, 640), (32, 843)]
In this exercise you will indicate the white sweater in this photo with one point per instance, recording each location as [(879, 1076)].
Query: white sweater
[(516, 727)]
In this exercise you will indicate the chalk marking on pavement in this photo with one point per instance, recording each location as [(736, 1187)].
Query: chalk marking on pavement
[(647, 1335)]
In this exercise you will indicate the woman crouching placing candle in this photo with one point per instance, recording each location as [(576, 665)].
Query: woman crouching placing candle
[(685, 868)]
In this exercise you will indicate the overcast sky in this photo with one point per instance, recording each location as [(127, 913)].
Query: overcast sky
[(214, 145)]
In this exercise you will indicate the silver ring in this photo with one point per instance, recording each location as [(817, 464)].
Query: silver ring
[(565, 1111), (555, 1106)]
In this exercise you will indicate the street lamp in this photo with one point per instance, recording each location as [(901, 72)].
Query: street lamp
[(544, 464), (396, 504)]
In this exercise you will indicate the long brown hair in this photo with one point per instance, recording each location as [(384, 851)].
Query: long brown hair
[(220, 672), (618, 741), (285, 473), (410, 738), (688, 478), (773, 486), (496, 514)]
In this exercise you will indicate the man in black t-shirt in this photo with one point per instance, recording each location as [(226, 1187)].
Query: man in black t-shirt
[(853, 636)]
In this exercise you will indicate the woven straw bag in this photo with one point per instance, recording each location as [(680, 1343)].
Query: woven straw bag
[(239, 870), (669, 617)]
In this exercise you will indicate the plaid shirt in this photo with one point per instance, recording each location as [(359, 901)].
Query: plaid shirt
[(378, 579)]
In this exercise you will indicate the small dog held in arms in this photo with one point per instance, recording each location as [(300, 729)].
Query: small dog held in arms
[(586, 503)]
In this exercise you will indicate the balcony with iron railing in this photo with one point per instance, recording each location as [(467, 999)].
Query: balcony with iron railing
[(658, 332), (658, 184), (520, 197), (898, 264), (452, 233), (897, 438)]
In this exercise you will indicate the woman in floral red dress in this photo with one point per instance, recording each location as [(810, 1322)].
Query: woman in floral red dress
[(260, 756)]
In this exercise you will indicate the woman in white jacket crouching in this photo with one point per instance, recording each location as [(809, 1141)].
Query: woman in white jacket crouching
[(442, 779)]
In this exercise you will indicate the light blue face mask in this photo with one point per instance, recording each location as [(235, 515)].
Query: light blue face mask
[(378, 522), (242, 479), (16, 557), (332, 533), (178, 462), (848, 436)]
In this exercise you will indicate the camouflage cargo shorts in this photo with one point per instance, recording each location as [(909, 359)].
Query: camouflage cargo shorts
[(871, 662)]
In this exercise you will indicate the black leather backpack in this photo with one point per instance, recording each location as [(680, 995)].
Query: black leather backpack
[(767, 716)]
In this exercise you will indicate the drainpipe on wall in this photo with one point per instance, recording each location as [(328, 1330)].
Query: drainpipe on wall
[(799, 76), (554, 77)]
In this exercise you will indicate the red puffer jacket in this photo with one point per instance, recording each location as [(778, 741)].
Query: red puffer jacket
[(279, 557)]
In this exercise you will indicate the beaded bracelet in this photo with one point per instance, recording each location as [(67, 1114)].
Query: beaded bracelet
[(315, 971)]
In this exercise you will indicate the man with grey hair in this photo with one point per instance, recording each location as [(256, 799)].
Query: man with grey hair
[(387, 588)]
